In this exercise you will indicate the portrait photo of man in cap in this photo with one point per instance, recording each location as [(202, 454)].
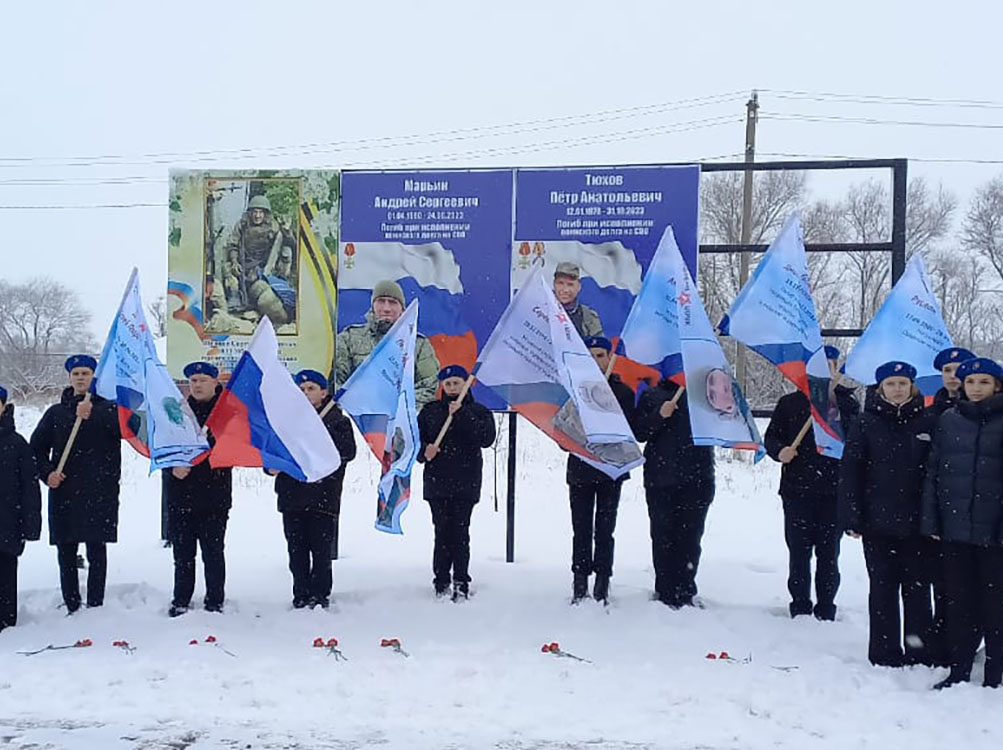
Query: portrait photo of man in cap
[(567, 285)]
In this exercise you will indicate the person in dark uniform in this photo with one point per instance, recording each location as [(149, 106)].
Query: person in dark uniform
[(595, 498), (947, 361), (678, 488), (309, 509), (20, 507), (808, 491), (880, 498), (452, 476), (963, 508), (198, 505), (83, 498)]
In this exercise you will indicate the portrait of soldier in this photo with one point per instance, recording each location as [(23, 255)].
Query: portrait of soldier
[(567, 285), (355, 343), (254, 271)]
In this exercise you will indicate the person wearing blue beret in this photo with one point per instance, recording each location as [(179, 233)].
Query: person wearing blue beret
[(808, 494), (963, 509), (84, 495), (452, 475), (199, 498), (20, 507), (310, 510), (948, 361), (880, 497), (595, 498)]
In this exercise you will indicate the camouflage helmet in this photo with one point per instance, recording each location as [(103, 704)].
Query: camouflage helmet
[(260, 201)]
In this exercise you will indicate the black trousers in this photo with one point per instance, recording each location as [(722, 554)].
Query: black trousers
[(97, 572), (451, 553), (677, 516), (8, 590), (898, 573), (308, 539), (810, 526), (189, 532), (937, 643), (973, 578), (593, 515)]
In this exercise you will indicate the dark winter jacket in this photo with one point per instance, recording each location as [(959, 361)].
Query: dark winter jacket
[(20, 500), (963, 495), (85, 506), (205, 491), (323, 496), (456, 471), (809, 474), (943, 401), (670, 458), (881, 474), (580, 473)]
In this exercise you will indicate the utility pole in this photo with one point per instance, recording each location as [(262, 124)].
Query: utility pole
[(751, 117)]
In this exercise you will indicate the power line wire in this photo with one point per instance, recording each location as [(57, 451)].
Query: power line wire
[(883, 99), (799, 117), (456, 134)]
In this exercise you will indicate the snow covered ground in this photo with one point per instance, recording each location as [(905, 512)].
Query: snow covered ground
[(476, 677)]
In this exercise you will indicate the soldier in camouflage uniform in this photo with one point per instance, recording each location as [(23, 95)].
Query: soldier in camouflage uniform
[(356, 342), (264, 248), (567, 285)]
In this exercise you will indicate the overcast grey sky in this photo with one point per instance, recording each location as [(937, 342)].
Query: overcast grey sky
[(155, 84)]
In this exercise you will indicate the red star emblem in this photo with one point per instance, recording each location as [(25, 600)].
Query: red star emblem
[(684, 298)]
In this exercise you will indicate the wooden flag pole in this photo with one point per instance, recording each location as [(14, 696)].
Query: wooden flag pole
[(804, 431), (324, 412), (73, 437), (449, 418), (678, 394), (609, 367)]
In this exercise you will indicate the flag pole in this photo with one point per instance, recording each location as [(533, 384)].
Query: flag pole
[(609, 367), (449, 418), (802, 433), (677, 395), (72, 438)]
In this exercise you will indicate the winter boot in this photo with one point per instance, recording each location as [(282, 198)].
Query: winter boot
[(600, 591), (461, 591), (580, 588), (300, 603), (950, 681), (441, 590), (176, 610)]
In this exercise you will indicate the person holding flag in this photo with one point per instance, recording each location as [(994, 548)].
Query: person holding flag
[(20, 507), (880, 500), (198, 505), (774, 315), (78, 454), (668, 329), (808, 482), (595, 497), (454, 430), (309, 509)]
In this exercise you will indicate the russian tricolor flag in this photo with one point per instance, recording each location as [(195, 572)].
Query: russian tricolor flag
[(262, 418)]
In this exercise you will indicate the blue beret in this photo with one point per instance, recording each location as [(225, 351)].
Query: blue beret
[(598, 342), (3, 394), (453, 371), (895, 369), (956, 354), (310, 376), (80, 360), (979, 365), (201, 368), (831, 352)]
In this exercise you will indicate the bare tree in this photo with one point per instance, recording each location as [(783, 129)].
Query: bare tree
[(40, 321), (982, 231)]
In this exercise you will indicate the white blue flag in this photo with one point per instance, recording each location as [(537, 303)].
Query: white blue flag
[(153, 416), (908, 327), (379, 396), (668, 329)]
